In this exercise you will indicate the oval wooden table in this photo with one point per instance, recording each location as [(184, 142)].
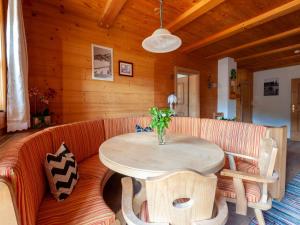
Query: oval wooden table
[(139, 155)]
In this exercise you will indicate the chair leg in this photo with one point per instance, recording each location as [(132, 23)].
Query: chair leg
[(259, 216)]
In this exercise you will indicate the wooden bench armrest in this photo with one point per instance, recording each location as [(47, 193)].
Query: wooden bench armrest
[(248, 176), (8, 210), (127, 210)]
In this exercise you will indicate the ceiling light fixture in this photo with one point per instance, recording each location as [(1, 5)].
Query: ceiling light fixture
[(297, 51), (161, 41)]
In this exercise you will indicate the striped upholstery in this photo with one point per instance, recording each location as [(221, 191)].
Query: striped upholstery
[(247, 167), (225, 184), (236, 137), (82, 138), (118, 126), (185, 125), (85, 206), (23, 165), (242, 165), (252, 190)]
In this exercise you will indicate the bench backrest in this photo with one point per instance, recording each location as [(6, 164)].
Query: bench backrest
[(235, 137), (82, 138), (23, 166)]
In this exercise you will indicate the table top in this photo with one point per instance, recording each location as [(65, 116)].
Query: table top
[(139, 155)]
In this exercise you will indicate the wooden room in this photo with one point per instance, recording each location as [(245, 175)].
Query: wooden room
[(149, 112)]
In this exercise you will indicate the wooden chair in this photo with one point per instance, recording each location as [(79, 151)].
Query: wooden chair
[(178, 198), (266, 163)]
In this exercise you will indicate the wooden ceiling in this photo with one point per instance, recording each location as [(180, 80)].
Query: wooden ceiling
[(259, 34)]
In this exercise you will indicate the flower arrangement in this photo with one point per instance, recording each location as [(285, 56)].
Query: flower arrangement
[(161, 119), (40, 103)]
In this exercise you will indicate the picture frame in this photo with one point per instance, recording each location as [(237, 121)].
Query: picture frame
[(271, 87), (102, 63), (125, 68)]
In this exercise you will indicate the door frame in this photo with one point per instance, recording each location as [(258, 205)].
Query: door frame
[(188, 72), (292, 137)]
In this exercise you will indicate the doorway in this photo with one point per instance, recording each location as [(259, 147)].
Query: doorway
[(295, 110), (187, 90)]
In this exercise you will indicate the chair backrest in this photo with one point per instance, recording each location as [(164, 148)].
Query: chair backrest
[(181, 197), (267, 156)]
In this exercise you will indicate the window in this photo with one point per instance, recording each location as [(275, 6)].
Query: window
[(2, 59)]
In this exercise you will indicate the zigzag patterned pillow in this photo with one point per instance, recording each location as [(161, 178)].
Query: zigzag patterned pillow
[(62, 172)]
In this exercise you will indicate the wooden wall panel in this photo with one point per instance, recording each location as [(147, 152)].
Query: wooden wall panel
[(59, 48)]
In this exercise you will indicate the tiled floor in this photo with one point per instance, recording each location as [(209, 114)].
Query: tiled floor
[(112, 192)]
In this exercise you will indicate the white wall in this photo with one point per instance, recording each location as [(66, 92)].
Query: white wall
[(274, 110), (225, 105)]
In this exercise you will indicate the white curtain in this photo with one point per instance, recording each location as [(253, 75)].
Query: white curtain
[(18, 110)]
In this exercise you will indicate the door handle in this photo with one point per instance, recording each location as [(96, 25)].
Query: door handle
[(293, 108)]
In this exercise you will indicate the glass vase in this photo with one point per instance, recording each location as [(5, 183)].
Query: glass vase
[(161, 134)]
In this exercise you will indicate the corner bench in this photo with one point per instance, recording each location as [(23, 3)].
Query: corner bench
[(24, 188)]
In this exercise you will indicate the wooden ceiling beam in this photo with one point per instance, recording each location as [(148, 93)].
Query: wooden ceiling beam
[(272, 38), (274, 66), (279, 61), (270, 52), (193, 13), (248, 24), (111, 11)]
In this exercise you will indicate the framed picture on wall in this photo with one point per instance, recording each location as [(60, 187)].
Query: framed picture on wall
[(125, 68), (271, 87), (102, 63)]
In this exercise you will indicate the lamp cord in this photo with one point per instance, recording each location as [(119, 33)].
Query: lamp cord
[(161, 13)]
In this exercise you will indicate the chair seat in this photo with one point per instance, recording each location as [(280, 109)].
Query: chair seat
[(225, 186), (85, 206)]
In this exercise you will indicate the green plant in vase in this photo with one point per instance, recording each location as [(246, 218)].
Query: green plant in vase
[(161, 119)]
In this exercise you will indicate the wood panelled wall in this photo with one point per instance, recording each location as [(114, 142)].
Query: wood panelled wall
[(59, 48)]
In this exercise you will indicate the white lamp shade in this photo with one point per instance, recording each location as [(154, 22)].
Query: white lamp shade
[(161, 41)]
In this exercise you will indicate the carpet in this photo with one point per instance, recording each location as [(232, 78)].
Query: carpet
[(287, 211)]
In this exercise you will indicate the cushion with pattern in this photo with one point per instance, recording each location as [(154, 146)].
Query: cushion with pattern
[(62, 172)]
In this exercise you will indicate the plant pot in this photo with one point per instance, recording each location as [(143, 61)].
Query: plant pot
[(232, 82), (47, 120), (36, 122)]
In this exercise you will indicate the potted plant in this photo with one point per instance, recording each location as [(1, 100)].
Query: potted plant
[(41, 114), (232, 77), (34, 94), (45, 100), (161, 119)]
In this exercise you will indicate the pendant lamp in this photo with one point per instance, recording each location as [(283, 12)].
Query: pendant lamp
[(161, 41)]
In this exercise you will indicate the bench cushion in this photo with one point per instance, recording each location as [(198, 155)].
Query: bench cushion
[(85, 206)]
